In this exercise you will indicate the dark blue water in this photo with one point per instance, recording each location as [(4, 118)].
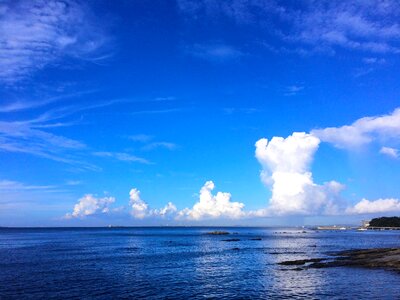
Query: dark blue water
[(182, 263)]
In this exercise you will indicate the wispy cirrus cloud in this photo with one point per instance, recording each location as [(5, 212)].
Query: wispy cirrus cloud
[(370, 26), (214, 52), (123, 157), (10, 185), (140, 138), (20, 105), (163, 145), (158, 111), (24, 137), (391, 152), (374, 60), (240, 110), (37, 33), (307, 26), (34, 136), (293, 90), (22, 196), (150, 144)]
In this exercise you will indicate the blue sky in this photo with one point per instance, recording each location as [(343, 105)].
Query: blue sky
[(145, 113)]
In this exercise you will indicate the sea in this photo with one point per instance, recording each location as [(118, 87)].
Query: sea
[(187, 263)]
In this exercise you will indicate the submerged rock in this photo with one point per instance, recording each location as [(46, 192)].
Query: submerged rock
[(231, 240)]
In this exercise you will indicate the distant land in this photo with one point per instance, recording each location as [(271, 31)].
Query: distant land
[(385, 222)]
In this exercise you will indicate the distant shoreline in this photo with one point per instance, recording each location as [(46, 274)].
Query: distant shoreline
[(313, 228)]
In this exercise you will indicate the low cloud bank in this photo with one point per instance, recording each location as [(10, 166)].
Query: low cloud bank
[(286, 171), (209, 206), (378, 206)]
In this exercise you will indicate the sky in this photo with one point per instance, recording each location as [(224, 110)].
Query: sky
[(206, 112)]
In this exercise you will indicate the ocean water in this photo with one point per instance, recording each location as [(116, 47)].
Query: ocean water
[(186, 263)]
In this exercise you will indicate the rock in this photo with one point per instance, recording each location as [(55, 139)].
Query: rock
[(294, 269), (290, 252), (300, 261), (381, 258), (231, 240), (218, 232), (256, 239), (235, 249)]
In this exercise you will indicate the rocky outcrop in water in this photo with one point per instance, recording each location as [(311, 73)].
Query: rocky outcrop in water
[(382, 258), (218, 233)]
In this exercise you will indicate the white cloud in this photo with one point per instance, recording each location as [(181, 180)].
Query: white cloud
[(391, 152), (122, 157), (378, 206), (286, 163), (168, 209), (212, 206), (139, 208), (37, 33), (363, 131), (90, 205)]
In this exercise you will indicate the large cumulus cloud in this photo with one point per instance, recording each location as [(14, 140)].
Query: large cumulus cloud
[(286, 171), (212, 206)]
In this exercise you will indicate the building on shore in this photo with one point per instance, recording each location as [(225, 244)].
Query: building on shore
[(365, 223)]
